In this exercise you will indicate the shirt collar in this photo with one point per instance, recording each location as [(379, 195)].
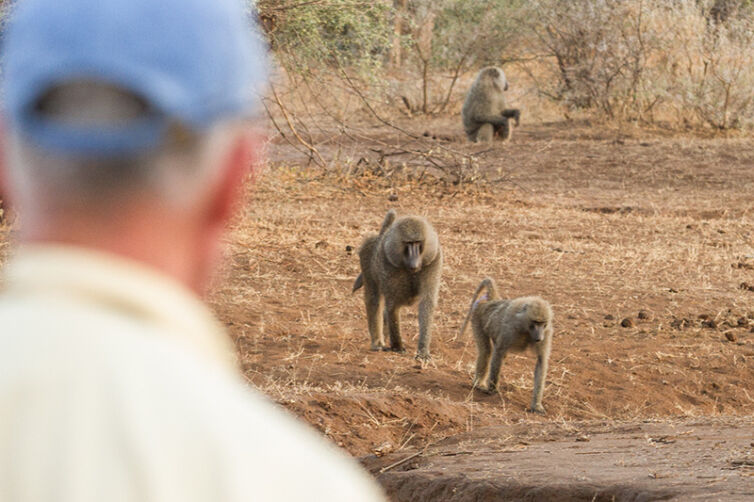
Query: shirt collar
[(115, 283)]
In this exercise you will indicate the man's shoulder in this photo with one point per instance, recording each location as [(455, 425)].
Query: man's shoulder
[(195, 413)]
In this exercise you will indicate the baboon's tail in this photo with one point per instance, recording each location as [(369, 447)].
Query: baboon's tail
[(358, 283), (389, 219), (488, 283)]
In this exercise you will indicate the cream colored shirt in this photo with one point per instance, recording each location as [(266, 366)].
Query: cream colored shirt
[(116, 384)]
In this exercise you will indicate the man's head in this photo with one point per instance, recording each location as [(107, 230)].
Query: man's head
[(127, 124)]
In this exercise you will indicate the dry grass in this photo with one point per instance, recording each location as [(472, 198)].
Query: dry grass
[(601, 224)]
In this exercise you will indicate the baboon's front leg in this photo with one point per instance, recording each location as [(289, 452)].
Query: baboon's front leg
[(374, 306), (540, 372), (394, 328), (513, 113), (426, 313)]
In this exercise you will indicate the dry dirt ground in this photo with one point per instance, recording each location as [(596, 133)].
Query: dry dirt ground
[(644, 245)]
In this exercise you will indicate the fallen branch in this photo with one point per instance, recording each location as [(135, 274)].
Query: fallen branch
[(401, 462)]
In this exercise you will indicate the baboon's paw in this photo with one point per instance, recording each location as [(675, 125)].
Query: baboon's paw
[(539, 410)]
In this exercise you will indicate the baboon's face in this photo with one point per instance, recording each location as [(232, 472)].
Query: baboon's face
[(537, 331), (498, 78), (412, 255)]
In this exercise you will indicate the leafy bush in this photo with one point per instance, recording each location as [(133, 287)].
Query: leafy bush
[(715, 74), (639, 60), (327, 33), (449, 38), (627, 59)]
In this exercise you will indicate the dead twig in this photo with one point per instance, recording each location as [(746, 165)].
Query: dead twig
[(311, 148), (402, 461), (413, 455)]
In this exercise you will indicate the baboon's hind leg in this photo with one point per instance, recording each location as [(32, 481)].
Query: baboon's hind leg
[(498, 354), (374, 307), (504, 132), (485, 134), (484, 348)]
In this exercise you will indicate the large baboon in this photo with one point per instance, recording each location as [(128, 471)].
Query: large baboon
[(503, 325), (400, 265), (484, 113)]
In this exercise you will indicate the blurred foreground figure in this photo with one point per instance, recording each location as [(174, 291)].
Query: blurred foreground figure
[(126, 140)]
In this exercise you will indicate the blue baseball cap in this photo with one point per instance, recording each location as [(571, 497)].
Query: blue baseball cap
[(192, 61)]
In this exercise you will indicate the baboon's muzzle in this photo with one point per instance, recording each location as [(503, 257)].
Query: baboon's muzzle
[(413, 256), (538, 334)]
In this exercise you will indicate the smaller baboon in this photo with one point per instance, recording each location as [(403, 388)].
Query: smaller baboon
[(400, 265), (502, 325), (484, 111)]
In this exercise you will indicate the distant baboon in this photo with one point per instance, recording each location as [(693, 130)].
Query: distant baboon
[(503, 325), (484, 113), (400, 265)]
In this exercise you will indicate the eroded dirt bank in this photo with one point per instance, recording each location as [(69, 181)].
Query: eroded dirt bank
[(633, 461)]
